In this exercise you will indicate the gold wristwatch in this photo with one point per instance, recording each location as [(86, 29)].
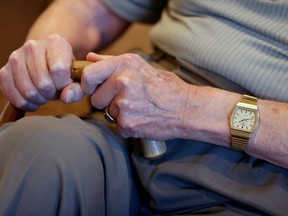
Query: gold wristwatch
[(243, 121)]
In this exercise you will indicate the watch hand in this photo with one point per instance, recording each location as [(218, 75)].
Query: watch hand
[(246, 119)]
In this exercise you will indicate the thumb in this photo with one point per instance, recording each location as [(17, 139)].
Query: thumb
[(94, 57), (72, 93)]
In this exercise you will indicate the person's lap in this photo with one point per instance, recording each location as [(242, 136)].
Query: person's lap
[(195, 177), (64, 166), (68, 166)]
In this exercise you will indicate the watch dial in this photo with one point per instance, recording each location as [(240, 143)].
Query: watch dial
[(244, 119)]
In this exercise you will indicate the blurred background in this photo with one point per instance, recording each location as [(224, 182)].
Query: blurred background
[(16, 18)]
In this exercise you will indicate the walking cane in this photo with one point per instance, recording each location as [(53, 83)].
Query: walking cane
[(151, 149)]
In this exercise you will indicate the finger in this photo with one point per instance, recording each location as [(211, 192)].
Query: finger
[(112, 87), (119, 76), (59, 59), (72, 93), (23, 82), (9, 89), (96, 57), (36, 65), (95, 74), (117, 105), (116, 74)]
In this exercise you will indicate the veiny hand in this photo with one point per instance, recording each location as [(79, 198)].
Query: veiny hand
[(38, 72), (147, 102)]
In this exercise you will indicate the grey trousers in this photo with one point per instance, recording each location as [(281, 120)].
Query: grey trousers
[(64, 166), (67, 166)]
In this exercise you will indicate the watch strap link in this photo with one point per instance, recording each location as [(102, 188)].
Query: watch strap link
[(239, 143), (247, 99)]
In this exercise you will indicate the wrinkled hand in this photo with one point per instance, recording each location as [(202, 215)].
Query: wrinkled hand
[(37, 72), (147, 102)]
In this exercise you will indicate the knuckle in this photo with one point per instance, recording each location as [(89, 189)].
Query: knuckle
[(129, 58), (123, 82), (30, 46), (45, 85), (125, 124), (13, 58), (21, 103), (59, 41), (133, 56), (59, 67), (55, 37), (87, 77), (122, 104), (30, 94), (2, 73), (34, 97), (29, 43), (125, 128)]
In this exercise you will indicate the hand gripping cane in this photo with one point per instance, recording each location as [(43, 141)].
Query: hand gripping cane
[(151, 149)]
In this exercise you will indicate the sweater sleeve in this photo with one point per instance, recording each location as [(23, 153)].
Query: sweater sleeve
[(148, 11)]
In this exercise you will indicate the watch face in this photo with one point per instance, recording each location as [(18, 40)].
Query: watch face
[(244, 119)]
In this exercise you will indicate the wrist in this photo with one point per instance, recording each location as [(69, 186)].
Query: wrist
[(270, 137), (207, 115)]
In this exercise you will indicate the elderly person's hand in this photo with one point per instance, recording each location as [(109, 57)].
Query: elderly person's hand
[(37, 72), (147, 102)]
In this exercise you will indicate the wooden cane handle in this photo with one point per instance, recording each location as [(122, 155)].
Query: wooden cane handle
[(11, 113), (77, 69)]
